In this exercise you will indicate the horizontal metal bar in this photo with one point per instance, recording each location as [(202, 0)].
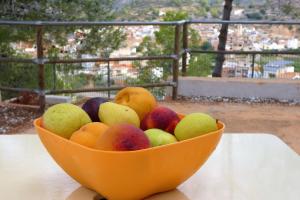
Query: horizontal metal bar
[(17, 60), (243, 22), (86, 23), (167, 57), (110, 88), (19, 89), (243, 52), (138, 23)]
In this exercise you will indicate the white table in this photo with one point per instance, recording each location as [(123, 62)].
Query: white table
[(244, 166)]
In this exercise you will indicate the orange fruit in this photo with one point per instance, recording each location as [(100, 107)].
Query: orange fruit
[(137, 98), (89, 134)]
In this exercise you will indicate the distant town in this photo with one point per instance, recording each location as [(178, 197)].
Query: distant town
[(240, 38)]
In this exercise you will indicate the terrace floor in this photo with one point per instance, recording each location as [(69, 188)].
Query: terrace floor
[(280, 120)]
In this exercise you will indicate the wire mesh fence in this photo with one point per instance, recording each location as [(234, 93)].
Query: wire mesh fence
[(53, 68), (251, 65), (109, 74)]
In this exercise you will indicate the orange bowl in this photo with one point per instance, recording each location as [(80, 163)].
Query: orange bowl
[(130, 175)]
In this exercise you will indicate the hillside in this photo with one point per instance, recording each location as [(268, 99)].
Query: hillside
[(153, 9), (211, 9)]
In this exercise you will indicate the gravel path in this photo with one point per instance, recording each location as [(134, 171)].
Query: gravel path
[(280, 120)]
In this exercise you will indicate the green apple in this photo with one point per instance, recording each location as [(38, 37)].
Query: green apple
[(113, 114), (195, 124), (159, 137), (63, 119)]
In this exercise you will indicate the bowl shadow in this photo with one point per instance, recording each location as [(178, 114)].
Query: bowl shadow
[(82, 193)]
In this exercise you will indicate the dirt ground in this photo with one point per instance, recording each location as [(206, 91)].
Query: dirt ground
[(277, 119), (280, 120), (16, 118)]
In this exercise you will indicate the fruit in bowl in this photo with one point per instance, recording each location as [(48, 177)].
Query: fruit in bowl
[(134, 97), (63, 119), (91, 107), (123, 137), (162, 118), (89, 134), (195, 124), (159, 137), (112, 114), (128, 163)]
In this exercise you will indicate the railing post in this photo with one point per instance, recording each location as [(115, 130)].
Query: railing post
[(40, 55), (176, 60), (54, 76), (108, 78), (185, 47), (252, 66)]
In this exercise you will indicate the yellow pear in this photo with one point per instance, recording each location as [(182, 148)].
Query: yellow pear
[(112, 114)]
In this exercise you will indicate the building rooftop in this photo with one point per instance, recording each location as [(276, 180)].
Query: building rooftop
[(278, 63)]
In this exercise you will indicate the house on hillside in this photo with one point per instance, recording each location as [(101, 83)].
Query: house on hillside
[(236, 69), (290, 75), (274, 68)]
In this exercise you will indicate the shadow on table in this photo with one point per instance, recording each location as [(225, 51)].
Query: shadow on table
[(83, 193), (170, 195)]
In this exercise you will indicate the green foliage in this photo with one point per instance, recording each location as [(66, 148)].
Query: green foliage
[(201, 65), (202, 12), (166, 34), (163, 44), (146, 75), (254, 15), (97, 40), (206, 46), (287, 8), (215, 12), (176, 2), (297, 66), (99, 80), (262, 11), (204, 3), (139, 10), (77, 81)]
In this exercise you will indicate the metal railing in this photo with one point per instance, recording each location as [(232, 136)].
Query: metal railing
[(180, 51)]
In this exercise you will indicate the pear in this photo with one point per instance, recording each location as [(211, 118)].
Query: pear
[(113, 114), (195, 124), (64, 118), (159, 137)]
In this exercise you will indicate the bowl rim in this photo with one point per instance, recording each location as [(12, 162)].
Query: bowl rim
[(38, 121)]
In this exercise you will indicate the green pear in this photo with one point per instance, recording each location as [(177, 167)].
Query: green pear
[(159, 137), (195, 124), (112, 114), (63, 119)]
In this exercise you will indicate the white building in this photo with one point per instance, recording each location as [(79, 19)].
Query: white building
[(238, 12), (293, 43), (274, 68)]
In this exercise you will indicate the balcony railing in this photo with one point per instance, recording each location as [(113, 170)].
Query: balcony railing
[(180, 51)]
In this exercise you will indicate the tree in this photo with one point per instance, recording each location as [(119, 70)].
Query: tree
[(287, 8), (176, 2), (163, 43), (214, 12), (254, 15), (96, 40), (200, 65), (222, 39)]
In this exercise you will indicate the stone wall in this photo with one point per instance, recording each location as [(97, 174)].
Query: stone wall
[(239, 88)]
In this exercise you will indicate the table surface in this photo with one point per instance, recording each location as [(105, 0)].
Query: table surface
[(244, 166)]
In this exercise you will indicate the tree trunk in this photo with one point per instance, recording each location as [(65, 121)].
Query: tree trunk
[(222, 39)]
